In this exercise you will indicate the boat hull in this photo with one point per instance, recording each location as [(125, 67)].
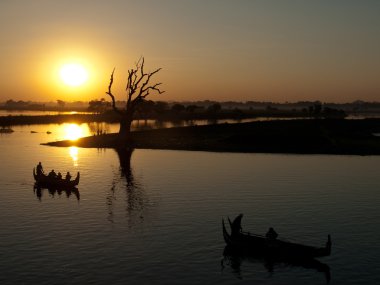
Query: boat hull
[(275, 248)]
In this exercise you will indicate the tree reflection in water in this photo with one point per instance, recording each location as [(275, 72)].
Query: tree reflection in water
[(135, 197)]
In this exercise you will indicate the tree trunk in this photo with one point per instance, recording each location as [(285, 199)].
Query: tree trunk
[(125, 126)]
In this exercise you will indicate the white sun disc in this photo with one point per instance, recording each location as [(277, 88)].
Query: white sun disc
[(73, 74)]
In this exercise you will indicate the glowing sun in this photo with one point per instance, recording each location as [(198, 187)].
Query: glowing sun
[(73, 132), (73, 74)]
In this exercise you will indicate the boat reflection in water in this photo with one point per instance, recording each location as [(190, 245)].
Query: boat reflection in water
[(234, 259), (38, 191)]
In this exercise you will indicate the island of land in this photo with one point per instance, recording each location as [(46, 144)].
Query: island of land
[(302, 136)]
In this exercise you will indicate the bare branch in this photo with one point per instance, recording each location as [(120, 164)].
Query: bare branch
[(144, 87), (142, 74), (154, 87), (111, 95)]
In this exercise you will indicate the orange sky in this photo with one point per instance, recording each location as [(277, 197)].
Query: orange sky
[(216, 50)]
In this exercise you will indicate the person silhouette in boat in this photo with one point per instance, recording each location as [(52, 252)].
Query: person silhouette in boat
[(52, 174), (40, 169), (271, 234), (68, 176), (59, 176)]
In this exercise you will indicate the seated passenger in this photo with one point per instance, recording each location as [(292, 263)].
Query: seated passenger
[(68, 176), (271, 234), (52, 174), (59, 176)]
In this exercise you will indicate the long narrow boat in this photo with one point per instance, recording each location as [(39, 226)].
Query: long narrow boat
[(45, 181), (280, 249)]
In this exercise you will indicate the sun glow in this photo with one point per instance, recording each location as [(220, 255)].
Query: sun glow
[(73, 132), (73, 74)]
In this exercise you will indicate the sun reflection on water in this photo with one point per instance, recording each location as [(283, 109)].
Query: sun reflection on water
[(73, 151), (73, 132)]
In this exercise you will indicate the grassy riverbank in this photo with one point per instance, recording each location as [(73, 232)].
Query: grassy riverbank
[(285, 136)]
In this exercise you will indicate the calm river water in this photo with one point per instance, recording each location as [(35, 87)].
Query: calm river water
[(157, 219)]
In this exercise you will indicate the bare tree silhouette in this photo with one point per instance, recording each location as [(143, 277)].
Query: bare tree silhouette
[(138, 88)]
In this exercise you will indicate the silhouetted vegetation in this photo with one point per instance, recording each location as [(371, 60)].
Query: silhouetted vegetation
[(138, 88), (98, 106), (301, 107), (185, 111), (159, 111)]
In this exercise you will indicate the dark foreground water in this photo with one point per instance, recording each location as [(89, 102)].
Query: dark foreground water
[(156, 219)]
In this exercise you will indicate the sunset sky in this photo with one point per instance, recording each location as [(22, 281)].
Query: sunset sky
[(240, 50)]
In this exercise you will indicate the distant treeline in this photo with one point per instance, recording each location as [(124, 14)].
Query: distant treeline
[(101, 111), (164, 112), (101, 105)]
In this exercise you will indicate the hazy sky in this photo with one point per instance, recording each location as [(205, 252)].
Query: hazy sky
[(239, 50)]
